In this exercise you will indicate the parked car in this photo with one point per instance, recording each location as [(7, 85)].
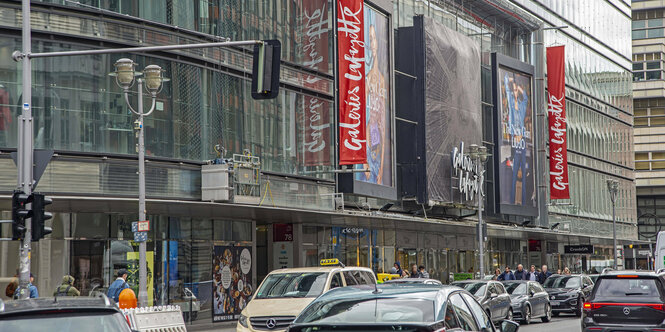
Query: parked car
[(284, 293), (392, 307), (491, 295), (414, 281), (46, 314), (568, 292), (529, 300), (633, 300)]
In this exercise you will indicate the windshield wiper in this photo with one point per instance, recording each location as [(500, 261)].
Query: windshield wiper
[(629, 294)]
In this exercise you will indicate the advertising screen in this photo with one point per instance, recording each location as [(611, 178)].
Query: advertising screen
[(515, 142)]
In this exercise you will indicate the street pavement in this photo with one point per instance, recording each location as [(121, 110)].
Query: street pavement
[(567, 323)]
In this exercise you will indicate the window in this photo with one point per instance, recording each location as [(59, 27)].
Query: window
[(450, 320), (639, 76), (466, 320), (336, 281), (654, 33), (639, 34), (624, 288), (638, 66), (653, 65), (479, 313), (658, 22), (653, 75), (639, 24), (350, 279), (499, 289)]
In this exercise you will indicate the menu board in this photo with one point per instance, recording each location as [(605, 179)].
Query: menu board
[(232, 278)]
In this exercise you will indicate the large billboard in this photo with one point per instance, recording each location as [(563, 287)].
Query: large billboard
[(515, 150), (379, 179)]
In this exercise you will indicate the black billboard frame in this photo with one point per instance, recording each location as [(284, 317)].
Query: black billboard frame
[(501, 60)]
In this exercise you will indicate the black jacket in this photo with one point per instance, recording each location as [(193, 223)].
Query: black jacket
[(520, 275), (542, 276)]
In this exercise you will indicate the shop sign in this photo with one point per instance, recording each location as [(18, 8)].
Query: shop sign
[(556, 113), (353, 230), (282, 253), (644, 252), (282, 232), (578, 249), (468, 173), (351, 66)]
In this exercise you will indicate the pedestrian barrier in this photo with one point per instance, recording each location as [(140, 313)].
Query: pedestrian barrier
[(166, 318)]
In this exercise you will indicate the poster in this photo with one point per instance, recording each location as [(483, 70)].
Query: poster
[(316, 115), (556, 114), (282, 253), (133, 277), (232, 278), (351, 78), (377, 93), (515, 143)]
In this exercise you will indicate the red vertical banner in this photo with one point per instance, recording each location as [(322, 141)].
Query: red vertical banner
[(316, 119), (556, 115), (351, 78)]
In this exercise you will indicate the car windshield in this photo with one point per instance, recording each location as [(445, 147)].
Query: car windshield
[(475, 288), (302, 284), (627, 288), (369, 310), (515, 288), (562, 282), (102, 322)]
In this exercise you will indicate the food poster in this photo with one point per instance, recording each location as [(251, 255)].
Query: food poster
[(133, 277), (232, 278)]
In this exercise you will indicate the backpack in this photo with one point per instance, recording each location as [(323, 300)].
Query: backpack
[(10, 290), (116, 295), (61, 293)]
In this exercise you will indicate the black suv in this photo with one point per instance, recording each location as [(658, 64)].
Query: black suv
[(568, 292), (62, 314), (631, 300)]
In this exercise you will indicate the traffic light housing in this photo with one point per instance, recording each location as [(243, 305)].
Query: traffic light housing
[(265, 69), (39, 216), (19, 213)]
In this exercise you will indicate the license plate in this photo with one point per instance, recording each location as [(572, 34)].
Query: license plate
[(555, 303)]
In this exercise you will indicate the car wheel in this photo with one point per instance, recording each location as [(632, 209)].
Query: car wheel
[(548, 314), (527, 315), (578, 310), (509, 316)]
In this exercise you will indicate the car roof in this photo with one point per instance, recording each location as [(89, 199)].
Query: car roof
[(322, 269), (410, 280), (473, 281), (517, 281), (408, 290), (68, 303), (632, 272)]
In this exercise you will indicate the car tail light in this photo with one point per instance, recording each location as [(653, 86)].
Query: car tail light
[(626, 276), (598, 305)]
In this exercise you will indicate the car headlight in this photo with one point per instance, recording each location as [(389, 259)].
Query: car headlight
[(242, 320), (572, 295)]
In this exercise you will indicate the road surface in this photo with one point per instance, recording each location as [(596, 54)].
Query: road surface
[(563, 323)]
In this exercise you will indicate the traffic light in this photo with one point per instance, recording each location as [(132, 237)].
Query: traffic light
[(19, 213), (265, 69), (39, 217)]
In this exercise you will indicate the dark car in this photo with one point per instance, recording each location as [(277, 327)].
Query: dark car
[(491, 295), (414, 281), (49, 314), (633, 300), (406, 307), (529, 300), (568, 292), (594, 277)]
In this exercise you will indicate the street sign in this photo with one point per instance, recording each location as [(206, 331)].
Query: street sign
[(143, 226), (140, 236), (41, 159), (135, 226)]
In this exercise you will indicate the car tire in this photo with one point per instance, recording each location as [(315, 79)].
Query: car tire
[(578, 310), (509, 315), (548, 314), (527, 315)]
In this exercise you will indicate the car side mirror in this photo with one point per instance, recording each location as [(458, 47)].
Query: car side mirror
[(509, 326)]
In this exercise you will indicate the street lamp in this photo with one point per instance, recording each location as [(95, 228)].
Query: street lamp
[(124, 76), (480, 155), (613, 188)]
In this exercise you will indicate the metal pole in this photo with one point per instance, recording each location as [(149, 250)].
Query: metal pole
[(481, 241), (614, 230), (143, 274), (24, 155)]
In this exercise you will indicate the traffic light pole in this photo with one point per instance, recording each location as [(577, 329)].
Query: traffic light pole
[(25, 150)]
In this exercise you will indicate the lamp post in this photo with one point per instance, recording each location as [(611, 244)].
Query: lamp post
[(124, 75), (480, 155), (613, 188)]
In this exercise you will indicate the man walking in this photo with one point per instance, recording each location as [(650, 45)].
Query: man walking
[(31, 288), (520, 274), (118, 286), (506, 275), (544, 275), (66, 288), (532, 275), (423, 272)]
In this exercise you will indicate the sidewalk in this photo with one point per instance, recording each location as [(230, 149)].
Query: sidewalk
[(217, 327)]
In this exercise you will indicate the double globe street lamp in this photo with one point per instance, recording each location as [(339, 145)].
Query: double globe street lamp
[(125, 75)]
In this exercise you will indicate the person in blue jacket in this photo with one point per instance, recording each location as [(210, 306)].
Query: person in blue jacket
[(34, 293), (118, 286), (506, 275)]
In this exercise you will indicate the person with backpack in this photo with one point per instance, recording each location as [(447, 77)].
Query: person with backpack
[(118, 286), (66, 288), (34, 293)]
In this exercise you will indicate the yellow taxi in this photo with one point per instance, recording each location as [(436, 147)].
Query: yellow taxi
[(284, 293)]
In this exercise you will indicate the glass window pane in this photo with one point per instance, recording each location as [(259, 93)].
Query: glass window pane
[(242, 231), (658, 22), (657, 121), (640, 112), (202, 229), (223, 230), (639, 76), (658, 165), (653, 75), (638, 66), (653, 65), (642, 166), (656, 33), (658, 156), (642, 156), (639, 34), (639, 24), (657, 111)]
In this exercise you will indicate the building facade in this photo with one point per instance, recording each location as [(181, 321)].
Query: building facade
[(298, 215)]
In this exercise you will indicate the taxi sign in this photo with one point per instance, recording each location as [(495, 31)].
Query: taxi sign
[(329, 261)]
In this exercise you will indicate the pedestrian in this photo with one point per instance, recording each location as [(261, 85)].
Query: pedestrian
[(66, 288), (542, 276), (506, 275), (398, 269), (11, 288), (558, 271), (34, 293), (497, 273), (415, 273), (566, 271), (423, 272), (520, 274), (118, 286), (533, 274)]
